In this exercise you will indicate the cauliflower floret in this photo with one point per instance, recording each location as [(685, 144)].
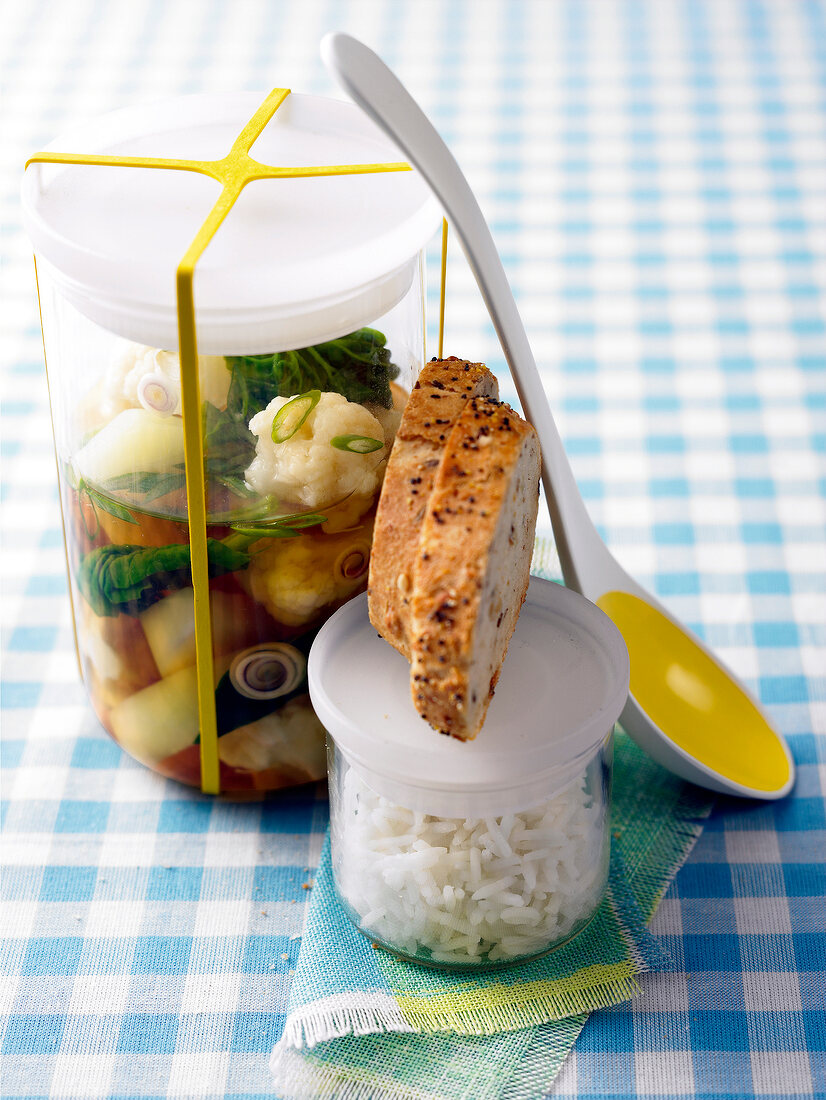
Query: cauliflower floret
[(126, 381), (295, 578), (306, 468), (291, 738)]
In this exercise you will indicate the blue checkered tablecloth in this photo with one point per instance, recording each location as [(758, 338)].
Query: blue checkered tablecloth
[(655, 176)]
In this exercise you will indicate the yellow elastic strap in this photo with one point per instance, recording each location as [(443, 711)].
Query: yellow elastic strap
[(233, 172), (442, 290)]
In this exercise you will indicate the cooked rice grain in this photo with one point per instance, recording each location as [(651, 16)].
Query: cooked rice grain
[(457, 890)]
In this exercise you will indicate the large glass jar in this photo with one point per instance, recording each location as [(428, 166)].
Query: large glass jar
[(310, 338), (489, 852)]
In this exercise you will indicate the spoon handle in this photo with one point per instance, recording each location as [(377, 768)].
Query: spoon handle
[(384, 98)]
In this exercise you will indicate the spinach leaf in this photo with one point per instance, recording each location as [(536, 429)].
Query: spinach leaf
[(285, 527), (147, 484), (171, 482), (256, 380), (98, 500), (129, 579), (229, 447), (357, 365)]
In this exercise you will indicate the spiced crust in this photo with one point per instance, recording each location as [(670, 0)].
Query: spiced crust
[(436, 401), (472, 566)]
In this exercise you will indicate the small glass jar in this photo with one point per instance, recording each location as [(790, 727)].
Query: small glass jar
[(465, 890), (470, 854), (310, 328)]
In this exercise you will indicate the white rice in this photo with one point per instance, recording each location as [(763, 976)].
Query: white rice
[(466, 891)]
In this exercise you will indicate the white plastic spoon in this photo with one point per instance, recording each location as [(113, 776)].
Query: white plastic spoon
[(685, 708)]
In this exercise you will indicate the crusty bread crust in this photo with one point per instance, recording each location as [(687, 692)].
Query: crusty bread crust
[(438, 397), (473, 565)]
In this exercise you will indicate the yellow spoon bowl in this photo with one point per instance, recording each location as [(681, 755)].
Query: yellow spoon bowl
[(712, 723)]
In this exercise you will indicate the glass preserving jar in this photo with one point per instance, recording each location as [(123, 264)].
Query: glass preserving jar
[(309, 318), (469, 854)]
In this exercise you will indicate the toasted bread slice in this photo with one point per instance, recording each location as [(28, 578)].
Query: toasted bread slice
[(441, 392), (473, 565)]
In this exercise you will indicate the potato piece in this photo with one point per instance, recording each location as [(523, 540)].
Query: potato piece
[(135, 440), (160, 720), (169, 626), (116, 658)]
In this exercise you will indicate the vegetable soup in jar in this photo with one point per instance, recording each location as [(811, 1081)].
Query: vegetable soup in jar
[(301, 392), (293, 477)]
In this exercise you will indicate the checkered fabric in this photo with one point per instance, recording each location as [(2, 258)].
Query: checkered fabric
[(655, 175)]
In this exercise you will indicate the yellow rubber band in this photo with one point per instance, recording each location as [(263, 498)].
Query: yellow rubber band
[(442, 289)]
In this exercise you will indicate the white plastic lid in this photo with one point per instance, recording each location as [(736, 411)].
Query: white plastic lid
[(297, 261), (563, 685)]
